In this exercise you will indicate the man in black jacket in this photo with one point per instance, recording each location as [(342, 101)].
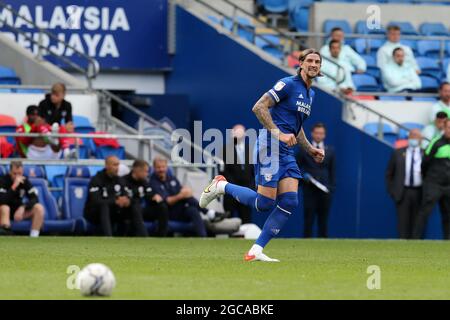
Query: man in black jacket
[(404, 183), (109, 202), (54, 108), (319, 183), (436, 183), (14, 190), (141, 193), (238, 170)]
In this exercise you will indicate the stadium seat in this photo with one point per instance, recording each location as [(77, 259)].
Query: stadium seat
[(403, 134), (433, 29), (244, 27), (9, 129), (392, 98), (55, 176), (6, 120), (214, 19), (94, 169), (399, 1), (430, 48), (406, 27), (8, 76), (429, 84), (368, 46), (75, 196), (410, 43), (329, 24), (300, 18), (102, 152), (52, 223), (372, 68), (445, 64), (430, 67), (78, 172), (365, 82), (31, 171), (362, 28), (431, 99), (275, 6), (372, 128)]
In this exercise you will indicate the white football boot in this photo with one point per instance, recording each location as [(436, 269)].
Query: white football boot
[(212, 191), (259, 257)]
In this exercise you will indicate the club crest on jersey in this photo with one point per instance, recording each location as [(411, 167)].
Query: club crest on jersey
[(280, 85), (268, 176), (300, 96)]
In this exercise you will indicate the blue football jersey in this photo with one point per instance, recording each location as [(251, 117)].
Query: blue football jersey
[(292, 107)]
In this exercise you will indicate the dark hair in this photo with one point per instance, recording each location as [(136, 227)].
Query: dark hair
[(443, 84), (336, 29), (397, 49), (441, 115), (318, 125), (393, 27), (15, 164), (140, 164), (59, 87), (332, 42), (307, 52), (32, 110)]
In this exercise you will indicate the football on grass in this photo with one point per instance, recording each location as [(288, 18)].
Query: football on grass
[(96, 279)]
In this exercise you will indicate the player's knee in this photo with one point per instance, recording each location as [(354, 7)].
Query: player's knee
[(38, 209), (264, 204), (288, 202)]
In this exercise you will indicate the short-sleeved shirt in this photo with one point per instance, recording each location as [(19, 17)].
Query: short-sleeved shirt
[(25, 194)]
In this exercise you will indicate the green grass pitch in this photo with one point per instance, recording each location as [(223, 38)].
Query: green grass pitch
[(183, 268)]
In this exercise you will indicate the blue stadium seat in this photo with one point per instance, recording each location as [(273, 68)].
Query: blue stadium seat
[(244, 27), (406, 27), (433, 29), (214, 19), (55, 176), (75, 196), (392, 98), (361, 27), (292, 4), (3, 171), (365, 83), (372, 128), (271, 46), (31, 91), (78, 172), (104, 151), (430, 48), (329, 24), (275, 6), (368, 46), (429, 67), (9, 129), (429, 84), (8, 76), (403, 134), (4, 90), (31, 171), (372, 68), (52, 223), (445, 64), (410, 43), (431, 99), (94, 169), (400, 1), (300, 18)]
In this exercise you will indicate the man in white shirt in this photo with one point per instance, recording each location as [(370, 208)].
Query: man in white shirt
[(404, 183), (347, 55), (444, 102), (384, 54), (333, 74), (399, 74), (435, 129)]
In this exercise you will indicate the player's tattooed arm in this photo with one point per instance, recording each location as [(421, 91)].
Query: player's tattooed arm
[(261, 110), (303, 141)]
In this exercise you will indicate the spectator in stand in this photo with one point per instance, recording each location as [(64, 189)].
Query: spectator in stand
[(19, 201), (347, 54), (435, 129), (436, 183), (68, 144), (38, 148), (109, 202), (444, 101), (54, 108), (385, 53), (399, 75), (336, 74), (182, 205)]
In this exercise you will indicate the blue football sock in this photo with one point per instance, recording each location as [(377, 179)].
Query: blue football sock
[(250, 198), (286, 203)]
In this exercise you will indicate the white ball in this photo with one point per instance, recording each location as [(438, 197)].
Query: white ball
[(96, 279)]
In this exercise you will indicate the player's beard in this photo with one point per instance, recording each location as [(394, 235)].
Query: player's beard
[(311, 74)]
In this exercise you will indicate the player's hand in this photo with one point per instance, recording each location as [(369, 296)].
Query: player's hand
[(157, 198), (17, 181), (288, 138), (317, 154), (186, 192), (18, 215), (125, 201)]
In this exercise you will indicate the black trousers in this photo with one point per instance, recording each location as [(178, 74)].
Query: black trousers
[(407, 211), (231, 205), (158, 212), (432, 194), (107, 217), (316, 204)]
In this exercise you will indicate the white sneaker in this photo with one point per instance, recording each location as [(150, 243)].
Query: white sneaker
[(211, 192), (258, 257)]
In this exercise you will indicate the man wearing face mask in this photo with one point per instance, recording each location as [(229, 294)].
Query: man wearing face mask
[(404, 183), (436, 185), (238, 170)]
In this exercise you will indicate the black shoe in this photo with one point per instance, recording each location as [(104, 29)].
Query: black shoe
[(6, 231)]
